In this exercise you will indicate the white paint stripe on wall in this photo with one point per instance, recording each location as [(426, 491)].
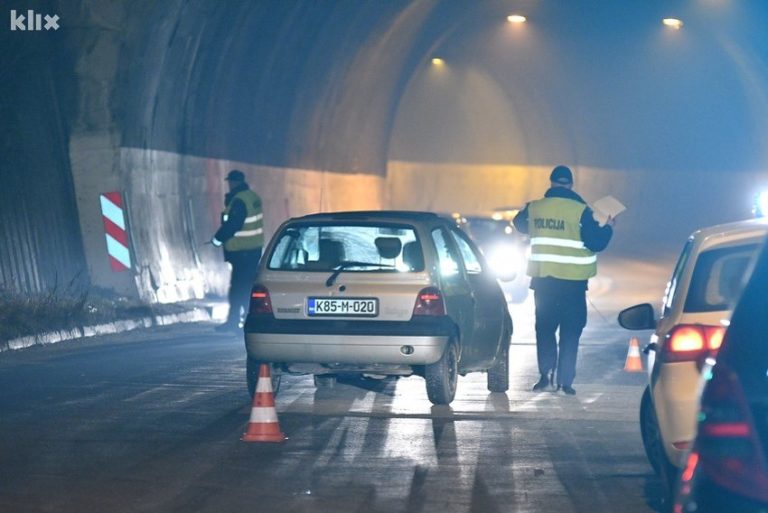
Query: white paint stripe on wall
[(118, 251), (112, 212)]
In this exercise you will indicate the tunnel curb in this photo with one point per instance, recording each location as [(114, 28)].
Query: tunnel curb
[(197, 314)]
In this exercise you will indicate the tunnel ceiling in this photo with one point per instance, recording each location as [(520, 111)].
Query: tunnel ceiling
[(608, 87), (345, 86), (292, 84)]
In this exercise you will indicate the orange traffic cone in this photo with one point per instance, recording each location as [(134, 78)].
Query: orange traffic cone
[(263, 426), (634, 363)]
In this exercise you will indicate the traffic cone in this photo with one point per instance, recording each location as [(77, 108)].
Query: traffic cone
[(634, 362), (263, 425)]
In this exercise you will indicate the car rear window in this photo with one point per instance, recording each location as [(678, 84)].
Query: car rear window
[(356, 247), (719, 277)]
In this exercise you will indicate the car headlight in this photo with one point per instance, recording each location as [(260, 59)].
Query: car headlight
[(506, 261)]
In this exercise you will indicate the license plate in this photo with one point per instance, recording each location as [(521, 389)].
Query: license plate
[(342, 307)]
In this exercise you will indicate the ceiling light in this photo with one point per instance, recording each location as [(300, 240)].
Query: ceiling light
[(672, 22), (516, 18), (437, 61)]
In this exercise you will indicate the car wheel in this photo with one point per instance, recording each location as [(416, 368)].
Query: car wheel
[(325, 380), (498, 374), (649, 429), (443, 375), (252, 376), (654, 446)]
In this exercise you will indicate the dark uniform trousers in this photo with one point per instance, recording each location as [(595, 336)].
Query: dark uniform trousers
[(245, 266), (559, 304)]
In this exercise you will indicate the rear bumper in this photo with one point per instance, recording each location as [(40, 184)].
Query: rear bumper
[(355, 342), (676, 400)]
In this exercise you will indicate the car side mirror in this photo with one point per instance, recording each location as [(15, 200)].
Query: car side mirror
[(638, 317)]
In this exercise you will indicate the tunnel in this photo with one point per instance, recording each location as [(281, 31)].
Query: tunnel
[(356, 105)]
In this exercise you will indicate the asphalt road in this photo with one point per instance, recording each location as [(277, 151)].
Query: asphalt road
[(150, 422)]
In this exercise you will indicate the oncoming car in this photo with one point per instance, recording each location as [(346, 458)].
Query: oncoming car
[(504, 248), (705, 284), (379, 294)]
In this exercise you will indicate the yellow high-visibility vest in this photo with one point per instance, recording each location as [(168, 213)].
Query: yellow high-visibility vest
[(554, 225), (251, 235)]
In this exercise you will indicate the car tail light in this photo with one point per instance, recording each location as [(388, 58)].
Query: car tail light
[(429, 302), (729, 449), (260, 302), (688, 342)]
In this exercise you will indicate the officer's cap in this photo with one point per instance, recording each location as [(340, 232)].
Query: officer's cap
[(235, 176), (561, 175)]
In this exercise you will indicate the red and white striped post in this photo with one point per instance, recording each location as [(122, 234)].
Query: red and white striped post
[(112, 213)]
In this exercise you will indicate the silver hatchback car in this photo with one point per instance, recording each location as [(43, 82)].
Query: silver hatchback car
[(385, 293)]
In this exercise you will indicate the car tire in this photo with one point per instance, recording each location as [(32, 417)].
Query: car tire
[(325, 380), (252, 376), (498, 374), (443, 376), (649, 430), (654, 446)]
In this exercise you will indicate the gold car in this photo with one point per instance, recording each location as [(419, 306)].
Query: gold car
[(384, 293)]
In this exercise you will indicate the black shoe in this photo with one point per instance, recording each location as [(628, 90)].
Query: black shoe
[(567, 389), (542, 383)]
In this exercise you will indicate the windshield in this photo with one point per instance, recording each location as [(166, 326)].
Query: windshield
[(353, 247)]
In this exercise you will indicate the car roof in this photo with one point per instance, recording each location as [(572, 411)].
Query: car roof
[(397, 216), (724, 233)]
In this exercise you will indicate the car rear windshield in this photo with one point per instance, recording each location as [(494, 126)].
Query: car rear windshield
[(355, 247), (719, 277)]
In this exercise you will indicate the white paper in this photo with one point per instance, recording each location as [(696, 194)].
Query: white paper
[(606, 207)]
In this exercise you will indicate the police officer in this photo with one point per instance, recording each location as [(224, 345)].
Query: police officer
[(242, 235), (564, 238)]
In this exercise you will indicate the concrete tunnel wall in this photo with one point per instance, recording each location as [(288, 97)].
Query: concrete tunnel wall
[(40, 239), (324, 106), (174, 94)]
